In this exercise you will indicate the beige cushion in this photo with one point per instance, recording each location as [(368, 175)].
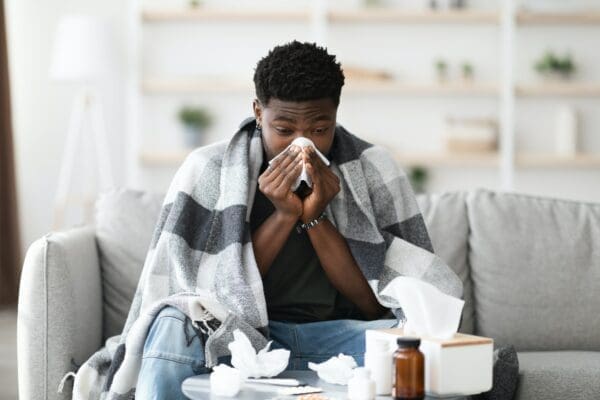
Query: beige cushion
[(446, 218), (535, 265), (125, 222)]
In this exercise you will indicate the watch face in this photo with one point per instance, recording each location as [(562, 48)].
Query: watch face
[(303, 190)]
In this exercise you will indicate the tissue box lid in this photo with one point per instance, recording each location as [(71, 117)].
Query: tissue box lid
[(459, 339)]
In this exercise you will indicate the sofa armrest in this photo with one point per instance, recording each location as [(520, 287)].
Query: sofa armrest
[(60, 310)]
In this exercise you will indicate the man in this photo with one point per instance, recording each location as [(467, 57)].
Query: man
[(236, 248), (311, 276)]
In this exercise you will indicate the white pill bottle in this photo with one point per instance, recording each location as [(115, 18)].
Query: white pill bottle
[(361, 386), (378, 359)]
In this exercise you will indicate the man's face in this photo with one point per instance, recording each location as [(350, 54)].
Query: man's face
[(284, 121)]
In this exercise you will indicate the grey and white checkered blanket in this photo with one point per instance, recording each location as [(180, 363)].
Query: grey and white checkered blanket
[(201, 258)]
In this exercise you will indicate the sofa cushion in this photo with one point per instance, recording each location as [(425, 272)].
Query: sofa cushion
[(559, 375), (125, 222), (446, 218), (535, 266)]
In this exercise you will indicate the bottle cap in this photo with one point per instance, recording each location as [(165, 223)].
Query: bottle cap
[(408, 342)]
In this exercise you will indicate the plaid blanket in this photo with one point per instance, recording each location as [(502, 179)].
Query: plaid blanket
[(201, 258)]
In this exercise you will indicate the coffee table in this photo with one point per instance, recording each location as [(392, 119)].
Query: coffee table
[(198, 388)]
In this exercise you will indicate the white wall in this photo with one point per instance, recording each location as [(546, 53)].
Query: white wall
[(41, 107)]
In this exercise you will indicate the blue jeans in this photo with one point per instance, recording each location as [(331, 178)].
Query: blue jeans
[(173, 351)]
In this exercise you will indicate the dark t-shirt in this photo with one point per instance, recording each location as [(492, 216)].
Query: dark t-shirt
[(296, 286)]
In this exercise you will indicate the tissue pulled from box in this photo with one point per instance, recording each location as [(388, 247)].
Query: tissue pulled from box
[(225, 381), (428, 311), (337, 370), (304, 176), (266, 363)]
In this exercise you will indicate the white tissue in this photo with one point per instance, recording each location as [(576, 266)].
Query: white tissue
[(428, 311), (336, 370), (225, 381), (252, 365), (302, 142)]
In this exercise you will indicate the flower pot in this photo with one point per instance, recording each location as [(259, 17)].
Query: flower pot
[(556, 76), (193, 136)]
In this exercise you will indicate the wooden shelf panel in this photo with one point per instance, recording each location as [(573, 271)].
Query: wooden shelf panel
[(170, 158), (424, 89), (182, 86), (447, 159), (207, 14), (381, 14), (547, 18), (559, 89), (367, 15), (414, 16), (175, 157), (551, 160)]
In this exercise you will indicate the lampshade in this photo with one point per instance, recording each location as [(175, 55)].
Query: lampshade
[(84, 49)]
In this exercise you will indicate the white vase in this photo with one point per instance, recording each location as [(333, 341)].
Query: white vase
[(567, 127), (192, 136)]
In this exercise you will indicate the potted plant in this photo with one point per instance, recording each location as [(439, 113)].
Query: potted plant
[(195, 121), (553, 66), (467, 71), (418, 177), (441, 68), (372, 3)]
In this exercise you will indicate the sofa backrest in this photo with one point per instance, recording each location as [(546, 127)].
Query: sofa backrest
[(535, 266), (125, 222), (530, 266)]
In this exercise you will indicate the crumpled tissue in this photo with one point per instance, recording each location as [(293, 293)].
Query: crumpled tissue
[(252, 365), (336, 370), (225, 381), (429, 312), (302, 142)]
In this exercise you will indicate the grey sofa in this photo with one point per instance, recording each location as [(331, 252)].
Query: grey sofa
[(530, 267)]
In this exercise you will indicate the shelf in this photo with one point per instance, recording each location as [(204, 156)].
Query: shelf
[(424, 89), (175, 157), (551, 160), (448, 159), (414, 16), (207, 14), (560, 89), (183, 86), (171, 158), (546, 18)]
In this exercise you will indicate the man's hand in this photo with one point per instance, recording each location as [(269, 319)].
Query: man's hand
[(326, 185), (276, 183)]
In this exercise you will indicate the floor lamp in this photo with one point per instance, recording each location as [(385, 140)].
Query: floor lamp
[(84, 55)]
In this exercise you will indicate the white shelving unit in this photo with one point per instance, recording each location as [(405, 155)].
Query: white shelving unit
[(319, 18)]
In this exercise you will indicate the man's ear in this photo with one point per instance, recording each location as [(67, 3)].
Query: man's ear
[(256, 106)]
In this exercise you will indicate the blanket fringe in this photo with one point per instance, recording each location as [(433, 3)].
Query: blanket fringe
[(61, 386)]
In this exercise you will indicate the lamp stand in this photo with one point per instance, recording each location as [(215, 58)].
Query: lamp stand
[(85, 106)]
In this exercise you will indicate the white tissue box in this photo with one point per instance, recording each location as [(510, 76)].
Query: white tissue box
[(459, 366)]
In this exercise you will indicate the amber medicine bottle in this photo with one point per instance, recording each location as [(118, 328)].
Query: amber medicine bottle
[(409, 370)]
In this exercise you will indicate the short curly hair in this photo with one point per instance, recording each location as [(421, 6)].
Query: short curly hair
[(298, 72)]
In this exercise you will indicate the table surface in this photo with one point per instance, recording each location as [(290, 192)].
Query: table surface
[(198, 388)]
